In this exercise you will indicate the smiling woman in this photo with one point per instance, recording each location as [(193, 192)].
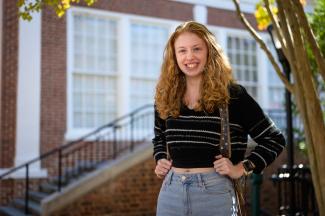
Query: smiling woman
[(199, 109), (191, 55)]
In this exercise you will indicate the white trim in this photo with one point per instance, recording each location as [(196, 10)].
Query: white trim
[(28, 91), (200, 14), (262, 71), (245, 5), (123, 79), (34, 172), (1, 32), (117, 16), (69, 69)]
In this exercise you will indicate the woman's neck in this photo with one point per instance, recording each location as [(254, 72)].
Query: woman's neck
[(192, 93)]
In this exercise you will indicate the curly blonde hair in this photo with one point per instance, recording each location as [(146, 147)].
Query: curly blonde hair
[(217, 75)]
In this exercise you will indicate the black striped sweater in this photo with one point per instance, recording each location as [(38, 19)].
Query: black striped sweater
[(193, 137)]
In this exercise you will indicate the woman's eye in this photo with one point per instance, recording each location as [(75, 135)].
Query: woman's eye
[(182, 51), (197, 49)]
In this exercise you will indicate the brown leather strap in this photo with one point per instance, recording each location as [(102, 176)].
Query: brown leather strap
[(225, 144)]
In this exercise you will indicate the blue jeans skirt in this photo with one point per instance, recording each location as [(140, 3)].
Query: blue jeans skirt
[(201, 194)]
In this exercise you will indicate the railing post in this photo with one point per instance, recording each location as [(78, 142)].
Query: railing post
[(27, 189), (60, 170), (114, 142), (132, 132), (256, 180)]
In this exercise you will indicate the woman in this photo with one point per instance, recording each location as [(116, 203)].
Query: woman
[(195, 81)]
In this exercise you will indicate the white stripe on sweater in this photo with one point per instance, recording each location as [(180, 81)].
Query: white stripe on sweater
[(201, 131), (276, 154), (263, 131), (192, 142), (255, 153)]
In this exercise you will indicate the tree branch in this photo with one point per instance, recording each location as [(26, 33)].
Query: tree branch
[(263, 46), (276, 26), (287, 35), (310, 38)]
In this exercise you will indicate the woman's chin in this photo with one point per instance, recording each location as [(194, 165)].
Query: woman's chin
[(192, 75)]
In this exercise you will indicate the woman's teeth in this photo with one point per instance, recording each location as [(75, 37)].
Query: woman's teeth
[(191, 65)]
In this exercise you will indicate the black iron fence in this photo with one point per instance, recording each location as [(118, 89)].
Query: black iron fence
[(299, 179)]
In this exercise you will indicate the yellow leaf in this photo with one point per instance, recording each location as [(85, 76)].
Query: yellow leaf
[(60, 13)]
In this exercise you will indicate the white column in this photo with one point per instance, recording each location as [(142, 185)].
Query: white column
[(124, 61), (28, 93), (1, 30), (262, 70), (200, 14), (221, 36)]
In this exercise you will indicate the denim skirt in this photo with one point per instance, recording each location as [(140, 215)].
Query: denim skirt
[(199, 194)]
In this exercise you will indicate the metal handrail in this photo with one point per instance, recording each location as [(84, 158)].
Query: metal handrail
[(138, 116)]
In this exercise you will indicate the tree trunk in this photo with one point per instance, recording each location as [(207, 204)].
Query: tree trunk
[(294, 30)]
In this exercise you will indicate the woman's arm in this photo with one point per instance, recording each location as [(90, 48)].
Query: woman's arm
[(159, 140), (270, 141)]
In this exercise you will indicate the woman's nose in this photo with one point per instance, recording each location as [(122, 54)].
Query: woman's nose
[(189, 55)]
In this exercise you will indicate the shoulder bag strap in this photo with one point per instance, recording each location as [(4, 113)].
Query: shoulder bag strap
[(225, 144)]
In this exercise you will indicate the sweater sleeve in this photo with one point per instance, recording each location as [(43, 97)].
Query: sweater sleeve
[(270, 141), (159, 140)]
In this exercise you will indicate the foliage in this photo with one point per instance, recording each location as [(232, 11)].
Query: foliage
[(261, 15), (27, 7), (317, 20)]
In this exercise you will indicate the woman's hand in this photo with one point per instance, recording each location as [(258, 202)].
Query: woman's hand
[(224, 166), (162, 168)]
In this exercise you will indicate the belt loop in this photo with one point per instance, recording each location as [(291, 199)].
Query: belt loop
[(200, 180), (169, 177)]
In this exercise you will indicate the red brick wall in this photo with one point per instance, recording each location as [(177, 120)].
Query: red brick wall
[(134, 192), (9, 83), (53, 80), (157, 8), (227, 18), (11, 189)]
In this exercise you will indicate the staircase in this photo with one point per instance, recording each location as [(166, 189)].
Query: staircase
[(76, 163)]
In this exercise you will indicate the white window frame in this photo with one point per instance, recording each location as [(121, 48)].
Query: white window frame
[(124, 60)]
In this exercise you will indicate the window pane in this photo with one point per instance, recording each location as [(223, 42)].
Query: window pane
[(94, 44), (147, 46), (276, 88), (94, 70), (96, 97), (242, 56)]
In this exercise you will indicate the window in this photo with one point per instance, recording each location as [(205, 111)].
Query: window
[(94, 70), (276, 88), (242, 55), (147, 47)]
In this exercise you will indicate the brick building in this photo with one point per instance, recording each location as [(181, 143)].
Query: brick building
[(63, 77)]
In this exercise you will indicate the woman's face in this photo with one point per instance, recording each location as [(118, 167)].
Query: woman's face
[(191, 54)]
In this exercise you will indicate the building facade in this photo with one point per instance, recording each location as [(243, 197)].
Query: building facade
[(63, 77)]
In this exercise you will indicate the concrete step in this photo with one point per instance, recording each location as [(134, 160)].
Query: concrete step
[(37, 196), (48, 188), (33, 207), (81, 168), (11, 211), (64, 180)]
